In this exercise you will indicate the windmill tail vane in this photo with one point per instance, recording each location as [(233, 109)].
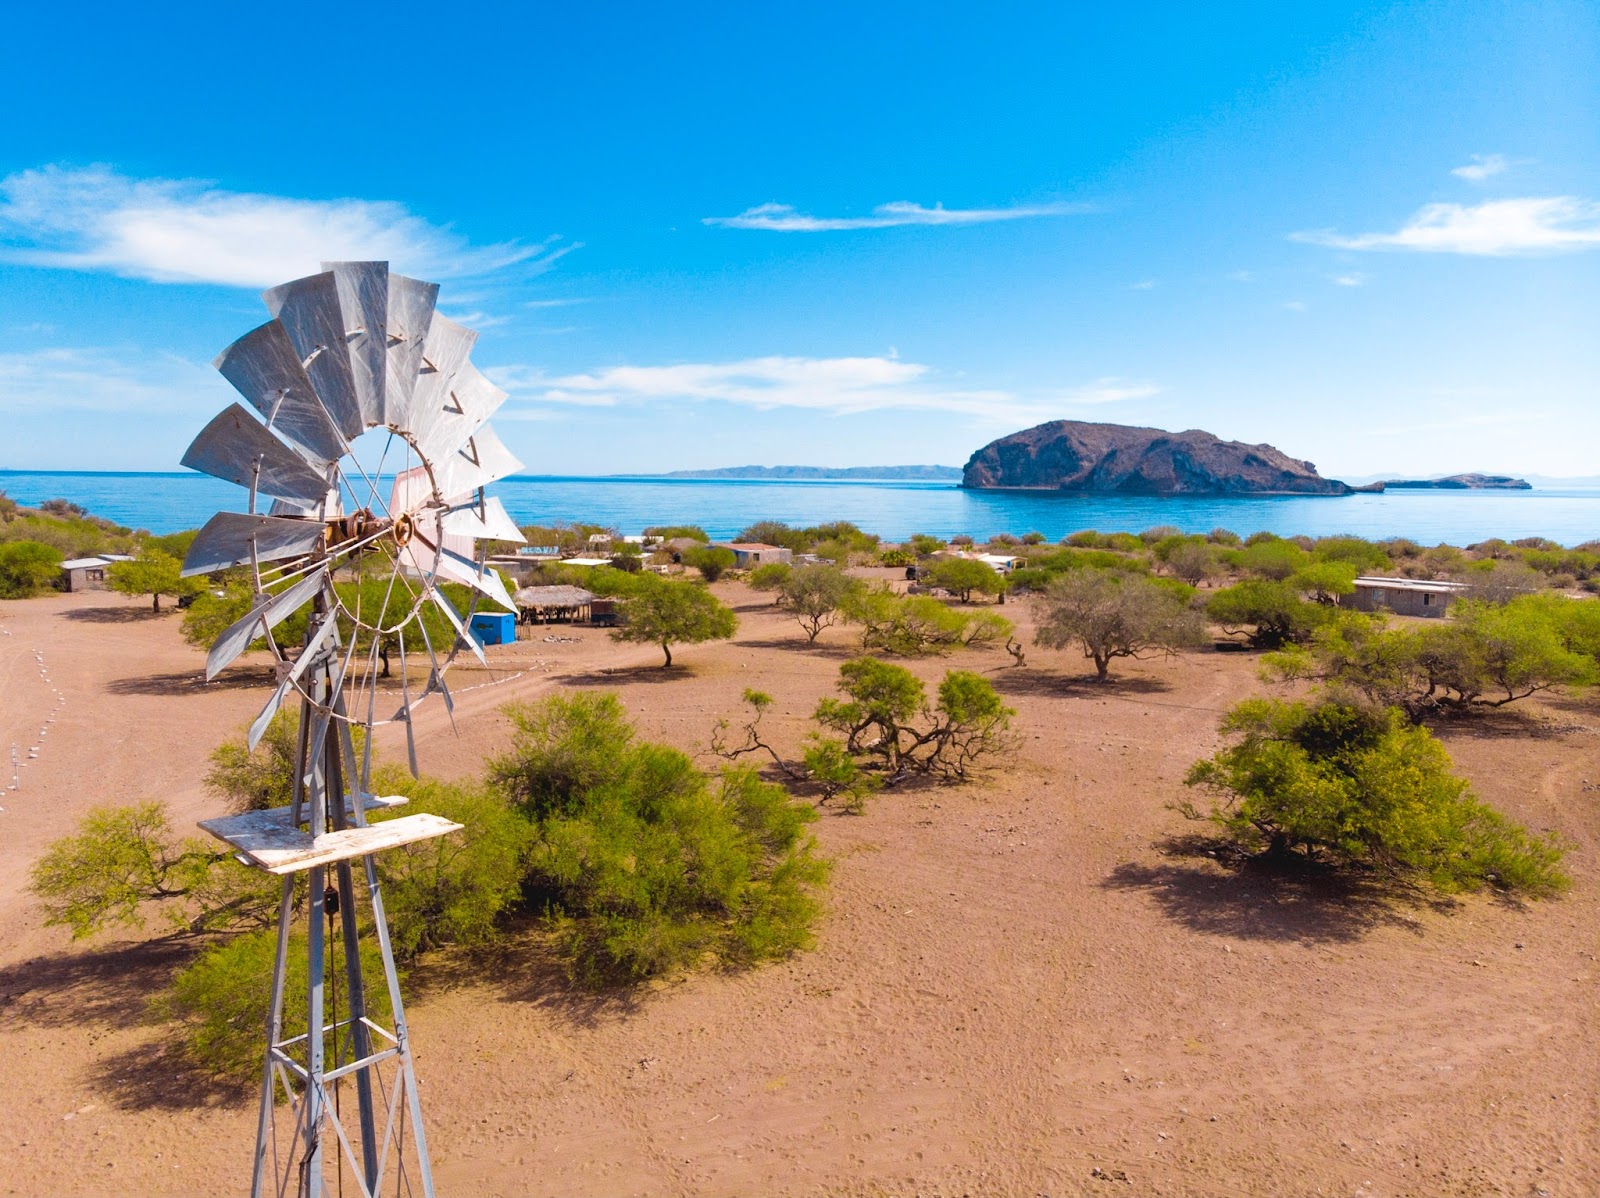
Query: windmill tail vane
[(353, 353)]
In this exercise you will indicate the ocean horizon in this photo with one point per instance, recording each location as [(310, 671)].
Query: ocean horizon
[(170, 501)]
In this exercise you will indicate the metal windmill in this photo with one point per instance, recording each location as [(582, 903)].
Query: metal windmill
[(352, 349)]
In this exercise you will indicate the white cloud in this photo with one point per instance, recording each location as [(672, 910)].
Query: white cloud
[(1241, 276), (836, 385), (1495, 229), (122, 381), (190, 231), (784, 218), (1483, 166), (1295, 306), (1143, 285), (1353, 278)]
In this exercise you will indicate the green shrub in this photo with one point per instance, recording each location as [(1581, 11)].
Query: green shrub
[(769, 576), (963, 577), (1109, 615), (672, 532), (659, 611), (917, 625), (817, 596), (1359, 786), (27, 567), (713, 561), (1273, 613), (647, 864)]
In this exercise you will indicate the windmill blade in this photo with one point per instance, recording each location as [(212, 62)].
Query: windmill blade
[(325, 633), (264, 367), (462, 631), (232, 538), (472, 399), (483, 460), (236, 448), (364, 302), (310, 313), (410, 313), (486, 522), (443, 355), (486, 581), (238, 635), (331, 507)]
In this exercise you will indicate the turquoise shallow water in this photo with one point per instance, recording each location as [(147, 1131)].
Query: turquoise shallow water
[(894, 510)]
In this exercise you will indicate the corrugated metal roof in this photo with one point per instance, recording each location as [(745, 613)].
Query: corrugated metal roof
[(89, 563), (1411, 584)]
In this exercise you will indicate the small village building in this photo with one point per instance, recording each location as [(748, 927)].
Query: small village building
[(586, 561), (553, 605), (1403, 596), (749, 554), (1002, 562), (89, 573)]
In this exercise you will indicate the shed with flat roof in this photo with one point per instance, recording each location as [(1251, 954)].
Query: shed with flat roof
[(1404, 596)]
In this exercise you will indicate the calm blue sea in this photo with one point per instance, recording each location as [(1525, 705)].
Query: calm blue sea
[(170, 502)]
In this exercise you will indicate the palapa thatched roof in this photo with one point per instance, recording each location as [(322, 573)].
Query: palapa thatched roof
[(552, 597)]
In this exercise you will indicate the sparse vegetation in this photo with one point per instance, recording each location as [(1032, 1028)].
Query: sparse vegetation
[(1110, 615), (663, 612)]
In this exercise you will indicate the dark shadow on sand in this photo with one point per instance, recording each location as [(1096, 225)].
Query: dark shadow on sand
[(1205, 885), (1054, 684), (193, 682), (133, 614), (628, 675)]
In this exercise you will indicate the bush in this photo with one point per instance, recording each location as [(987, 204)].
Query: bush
[(963, 576), (817, 596), (1272, 558), (1111, 615), (152, 573), (452, 889), (770, 576), (1273, 613), (672, 532), (1359, 786), (666, 613), (712, 561), (647, 864), (885, 714), (122, 859), (27, 567), (916, 625)]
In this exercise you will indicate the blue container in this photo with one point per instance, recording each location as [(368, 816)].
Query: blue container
[(494, 627)]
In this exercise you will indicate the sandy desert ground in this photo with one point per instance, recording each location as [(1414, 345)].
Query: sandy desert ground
[(1021, 987)]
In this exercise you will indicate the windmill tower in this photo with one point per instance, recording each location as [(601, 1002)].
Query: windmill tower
[(361, 542)]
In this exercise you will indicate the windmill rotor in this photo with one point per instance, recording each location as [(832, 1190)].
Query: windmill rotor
[(362, 548)]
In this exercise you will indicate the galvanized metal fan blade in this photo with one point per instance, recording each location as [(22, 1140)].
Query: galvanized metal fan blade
[(445, 351), (480, 462), (364, 300), (410, 313), (325, 634), (235, 447), (331, 507), (462, 631), (264, 367), (262, 617), (310, 313), (486, 582), (472, 399), (490, 523), (228, 537)]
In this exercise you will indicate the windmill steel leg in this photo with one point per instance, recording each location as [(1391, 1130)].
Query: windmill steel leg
[(407, 1075), (269, 1097), (311, 1179)]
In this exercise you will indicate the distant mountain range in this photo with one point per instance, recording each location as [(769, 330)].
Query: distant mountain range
[(942, 474)]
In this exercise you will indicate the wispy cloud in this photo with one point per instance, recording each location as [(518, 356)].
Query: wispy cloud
[(96, 379), (1483, 166), (554, 303), (1351, 278), (1295, 306), (836, 385), (785, 218), (1495, 229), (191, 231), (1143, 285)]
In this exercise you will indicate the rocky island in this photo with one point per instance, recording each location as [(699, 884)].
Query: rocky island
[(1461, 482), (1073, 455)]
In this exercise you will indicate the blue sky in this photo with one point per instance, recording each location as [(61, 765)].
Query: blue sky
[(838, 235)]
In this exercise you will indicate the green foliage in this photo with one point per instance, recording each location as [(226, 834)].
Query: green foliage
[(262, 778), (770, 576), (646, 863), (963, 577), (672, 532), (1484, 655), (224, 997), (1324, 581), (27, 567), (1361, 787), (817, 596), (452, 889), (1365, 556), (68, 529), (885, 714), (1272, 558), (1110, 614), (712, 561), (122, 858), (666, 613), (922, 544), (1190, 558), (829, 764), (897, 558), (916, 625), (1273, 613)]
